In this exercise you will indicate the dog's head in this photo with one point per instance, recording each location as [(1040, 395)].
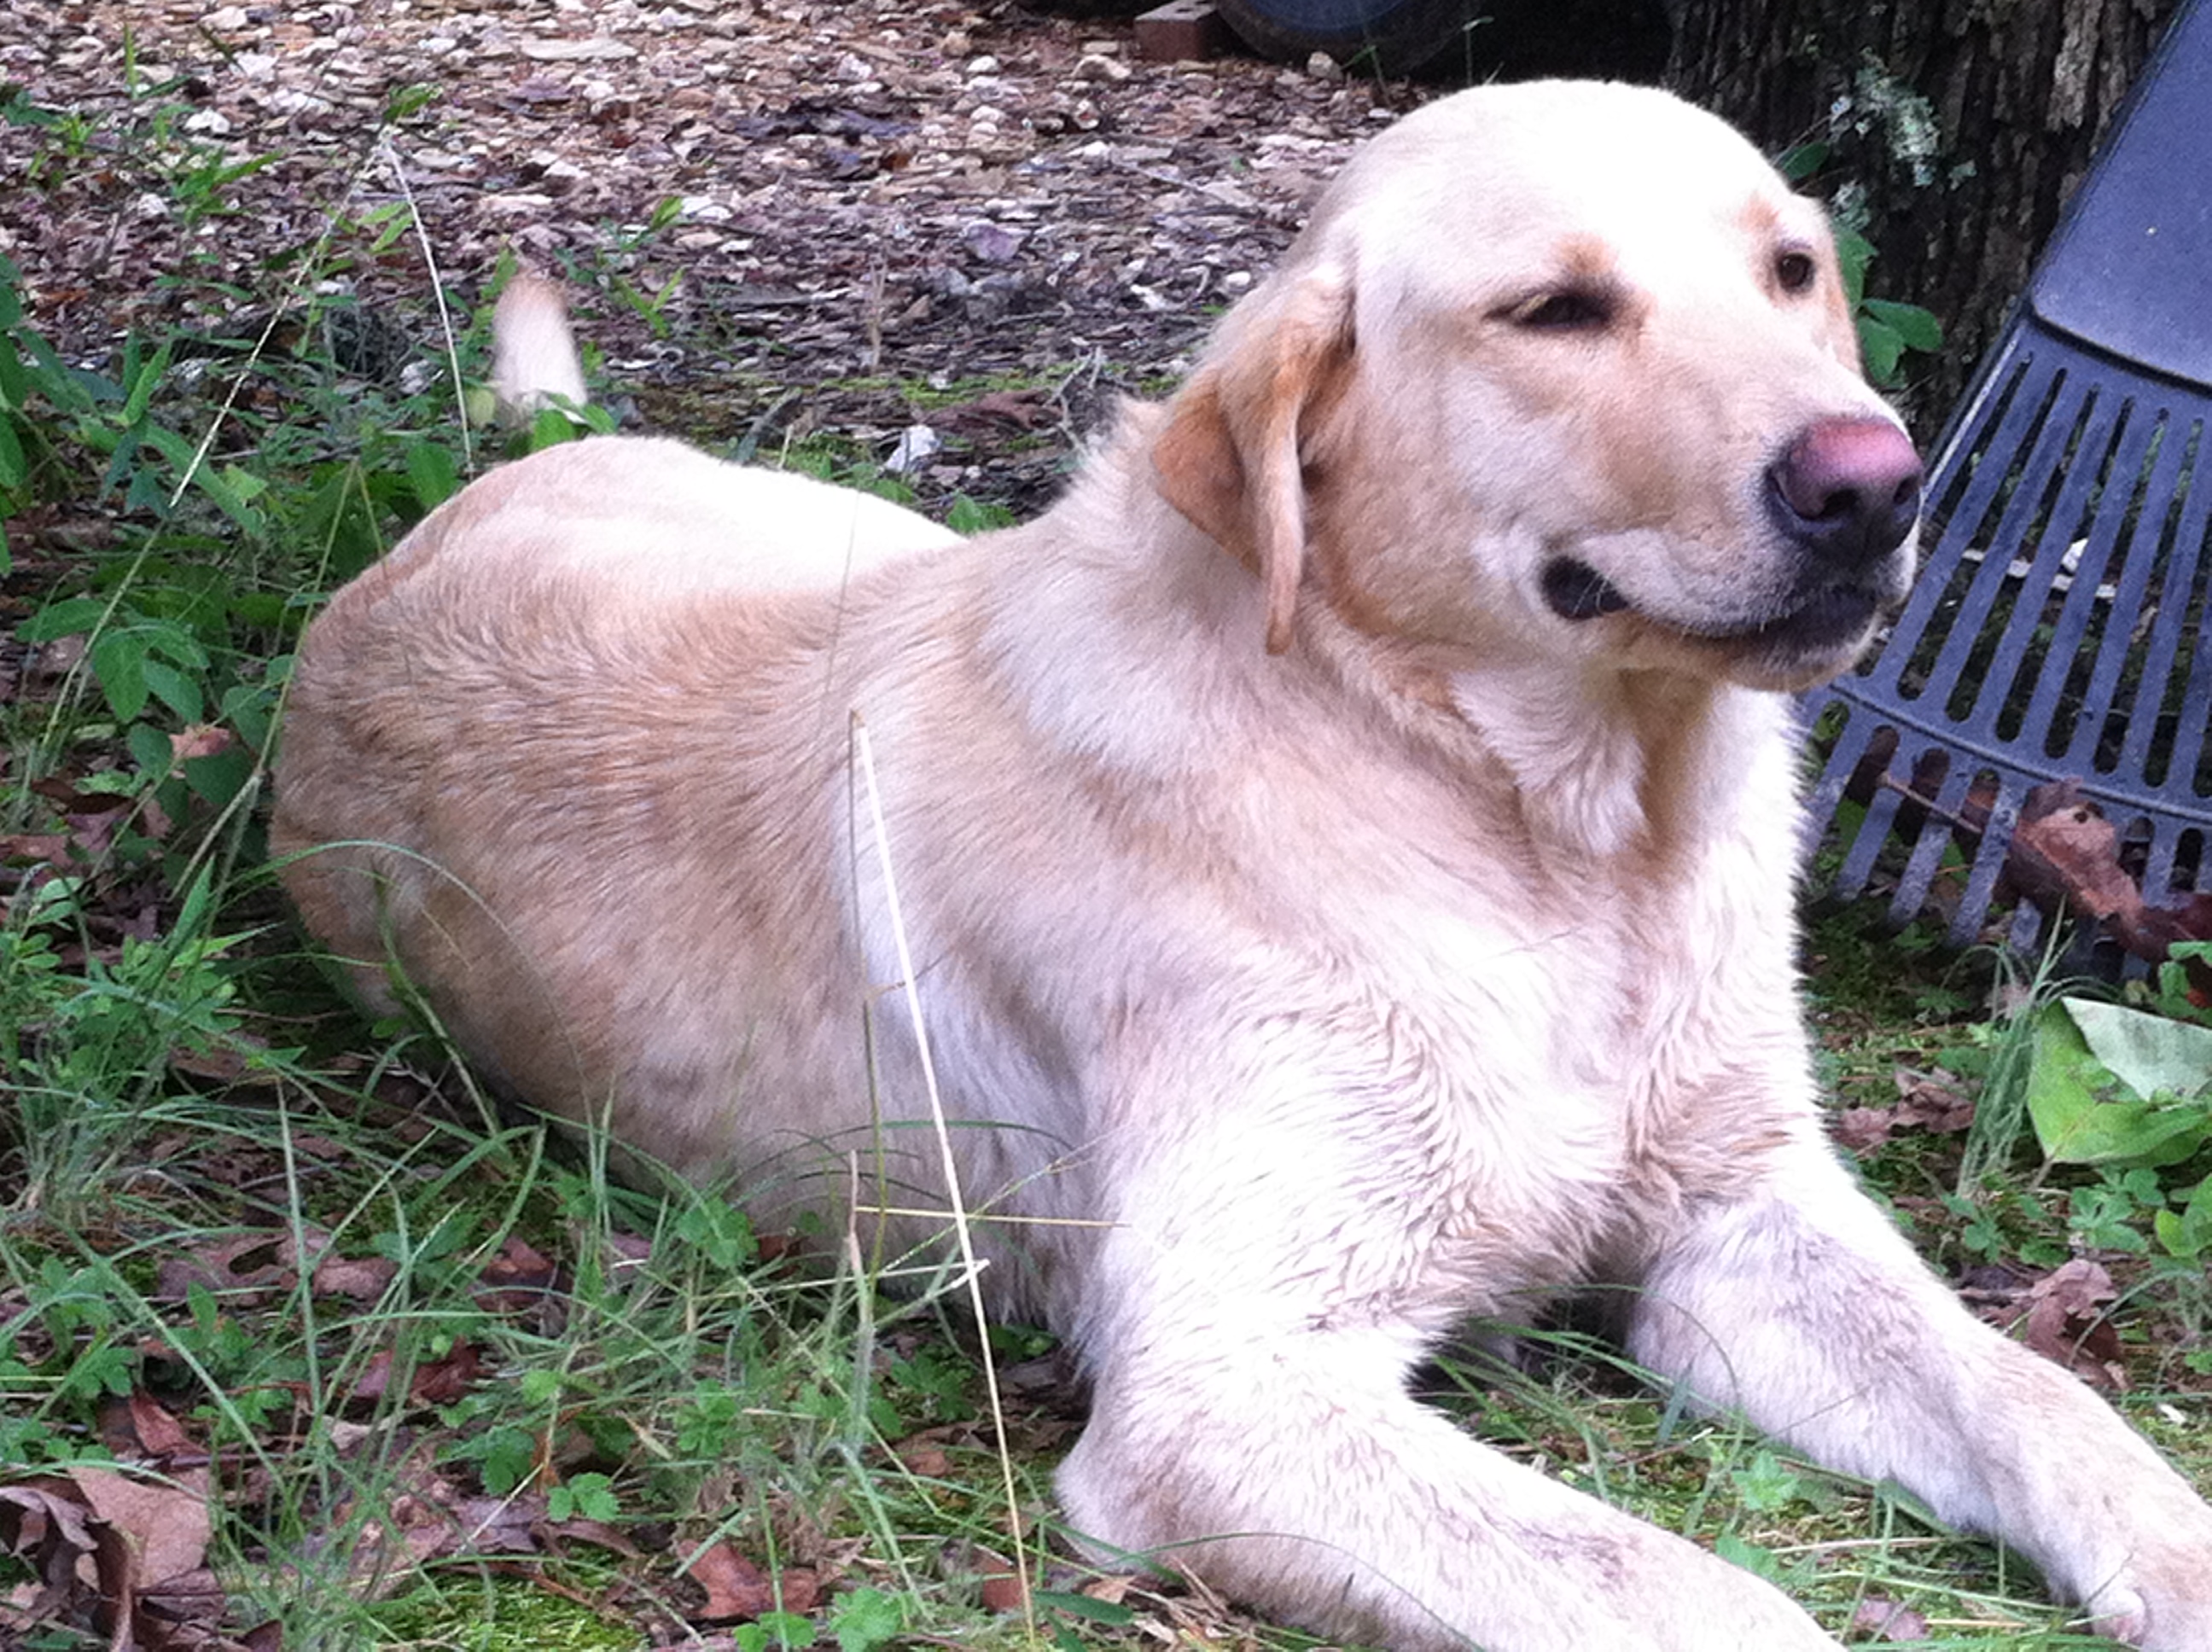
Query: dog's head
[(1564, 363)]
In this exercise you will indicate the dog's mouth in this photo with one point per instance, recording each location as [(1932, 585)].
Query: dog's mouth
[(1827, 618), (1575, 590), (1833, 617)]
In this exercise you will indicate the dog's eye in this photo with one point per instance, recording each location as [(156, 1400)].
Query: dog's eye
[(1796, 272), (1568, 309)]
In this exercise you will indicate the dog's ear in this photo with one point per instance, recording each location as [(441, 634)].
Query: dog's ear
[(1230, 458)]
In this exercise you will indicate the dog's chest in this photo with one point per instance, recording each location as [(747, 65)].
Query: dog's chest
[(1557, 1086), (1360, 991), (1558, 1055)]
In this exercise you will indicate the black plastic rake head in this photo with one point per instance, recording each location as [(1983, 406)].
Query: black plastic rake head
[(2059, 629)]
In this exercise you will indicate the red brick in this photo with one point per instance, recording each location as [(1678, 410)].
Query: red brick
[(1182, 30)]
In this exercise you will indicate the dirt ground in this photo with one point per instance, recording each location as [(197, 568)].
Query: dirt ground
[(914, 194)]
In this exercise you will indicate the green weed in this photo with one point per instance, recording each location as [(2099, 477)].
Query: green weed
[(1888, 330)]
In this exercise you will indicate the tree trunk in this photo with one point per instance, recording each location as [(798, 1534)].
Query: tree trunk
[(1956, 131)]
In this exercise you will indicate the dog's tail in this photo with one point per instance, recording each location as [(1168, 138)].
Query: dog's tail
[(533, 355)]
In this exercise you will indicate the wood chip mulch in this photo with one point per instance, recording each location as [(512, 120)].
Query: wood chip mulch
[(750, 199)]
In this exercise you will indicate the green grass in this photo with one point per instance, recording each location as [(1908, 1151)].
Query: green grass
[(451, 1385)]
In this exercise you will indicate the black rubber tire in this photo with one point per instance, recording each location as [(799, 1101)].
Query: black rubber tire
[(1389, 37)]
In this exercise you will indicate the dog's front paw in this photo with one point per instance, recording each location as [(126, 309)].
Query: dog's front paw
[(2154, 1590), (2164, 1606)]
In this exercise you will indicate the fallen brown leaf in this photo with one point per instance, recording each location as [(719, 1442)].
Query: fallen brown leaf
[(736, 1587), (139, 1430), (428, 1517), (801, 1587), (2065, 856), (34, 848), (362, 1279), (2064, 1320), (247, 1267), (433, 1383), (1003, 1588), (1025, 408), (598, 1533), (200, 740), (924, 1458), (520, 1278), (1933, 1104), (1859, 1128), (1887, 1620), (167, 1526), (114, 1555)]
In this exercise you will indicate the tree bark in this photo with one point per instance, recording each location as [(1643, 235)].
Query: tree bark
[(1956, 129)]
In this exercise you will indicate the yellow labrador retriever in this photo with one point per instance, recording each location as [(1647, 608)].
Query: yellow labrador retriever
[(1344, 851)]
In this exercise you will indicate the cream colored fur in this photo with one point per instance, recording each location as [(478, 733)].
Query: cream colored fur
[(533, 359), (1356, 944)]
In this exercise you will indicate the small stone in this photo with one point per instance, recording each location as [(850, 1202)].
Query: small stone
[(917, 445), (992, 243)]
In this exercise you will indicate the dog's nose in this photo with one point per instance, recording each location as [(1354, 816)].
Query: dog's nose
[(1848, 490)]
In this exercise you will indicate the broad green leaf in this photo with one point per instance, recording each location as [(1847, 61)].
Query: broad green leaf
[(1882, 346), (144, 383), (2147, 1052), (1854, 252), (2187, 1233), (63, 619), (789, 1628), (1801, 160), (1767, 1484), (968, 516), (218, 778), (174, 689), (2067, 1090), (14, 383), (1918, 328), (175, 644), (1738, 1551), (12, 468), (146, 492), (151, 750), (866, 1619), (118, 663), (245, 707), (552, 427), (432, 474), (230, 488)]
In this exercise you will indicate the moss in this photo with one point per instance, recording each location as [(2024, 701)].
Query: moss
[(499, 1614)]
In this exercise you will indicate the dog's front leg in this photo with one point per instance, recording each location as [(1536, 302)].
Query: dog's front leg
[(1289, 1468), (1799, 1305)]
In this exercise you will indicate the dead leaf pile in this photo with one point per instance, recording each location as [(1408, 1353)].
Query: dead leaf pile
[(120, 1555)]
